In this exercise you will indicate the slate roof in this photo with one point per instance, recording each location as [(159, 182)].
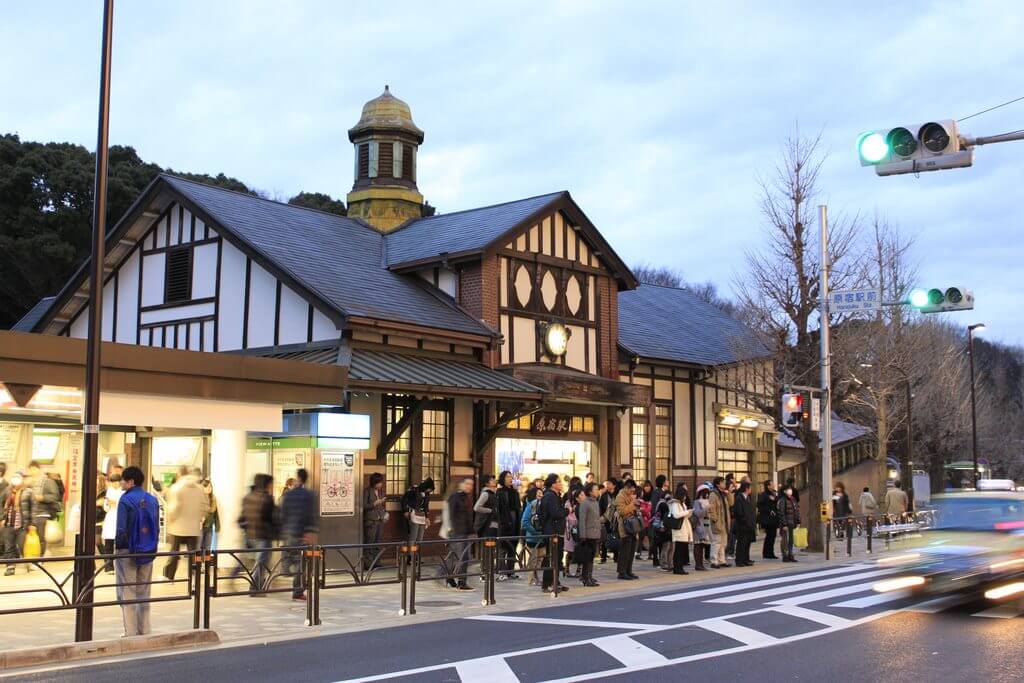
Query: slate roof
[(842, 432), (666, 323), (29, 320), (387, 367), (335, 257), (461, 231)]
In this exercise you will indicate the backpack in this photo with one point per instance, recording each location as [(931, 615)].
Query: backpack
[(145, 533), (658, 522), (536, 519), (673, 523)]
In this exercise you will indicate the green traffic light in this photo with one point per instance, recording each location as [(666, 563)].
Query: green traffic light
[(872, 147), (919, 298)]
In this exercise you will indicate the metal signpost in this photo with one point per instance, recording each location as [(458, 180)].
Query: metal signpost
[(826, 363)]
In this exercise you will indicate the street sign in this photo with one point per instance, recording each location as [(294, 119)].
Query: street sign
[(853, 300), (815, 414)]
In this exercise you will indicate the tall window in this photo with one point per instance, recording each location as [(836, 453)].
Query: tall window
[(398, 458), (736, 462), (638, 442), (663, 439), (435, 447), (178, 278), (423, 450)]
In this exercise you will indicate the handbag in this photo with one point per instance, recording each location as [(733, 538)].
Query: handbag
[(54, 532), (633, 525), (800, 537), (32, 546)]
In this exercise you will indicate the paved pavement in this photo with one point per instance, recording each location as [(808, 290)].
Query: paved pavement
[(807, 622), (240, 618)]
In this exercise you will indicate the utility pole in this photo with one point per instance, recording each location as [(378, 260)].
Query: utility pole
[(974, 415), (85, 569), (826, 364)]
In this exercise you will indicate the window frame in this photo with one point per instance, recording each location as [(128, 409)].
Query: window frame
[(393, 407), (171, 254)]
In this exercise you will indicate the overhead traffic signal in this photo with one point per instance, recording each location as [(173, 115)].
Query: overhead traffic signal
[(941, 300), (792, 409), (914, 149)]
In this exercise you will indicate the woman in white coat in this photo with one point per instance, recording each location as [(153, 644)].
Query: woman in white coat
[(109, 531), (682, 536)]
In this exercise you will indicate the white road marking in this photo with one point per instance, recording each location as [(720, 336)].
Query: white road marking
[(936, 605), (1006, 611), (729, 588), (628, 651), (494, 669), (872, 600), (627, 625), (729, 629), (822, 595), (782, 590), (814, 615)]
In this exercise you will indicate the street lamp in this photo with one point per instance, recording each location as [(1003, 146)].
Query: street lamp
[(974, 417)]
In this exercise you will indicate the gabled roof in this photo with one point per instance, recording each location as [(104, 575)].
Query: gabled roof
[(336, 257), (666, 323), (462, 232), (338, 262), (842, 432), (32, 316), (471, 232)]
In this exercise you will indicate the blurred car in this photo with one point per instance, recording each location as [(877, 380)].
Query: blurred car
[(975, 545)]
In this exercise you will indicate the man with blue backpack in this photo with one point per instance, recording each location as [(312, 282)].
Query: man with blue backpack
[(138, 531)]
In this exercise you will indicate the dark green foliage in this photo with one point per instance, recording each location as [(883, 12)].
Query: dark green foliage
[(319, 200)]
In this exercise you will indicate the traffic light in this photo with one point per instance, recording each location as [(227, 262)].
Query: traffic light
[(941, 300), (929, 146), (792, 409)]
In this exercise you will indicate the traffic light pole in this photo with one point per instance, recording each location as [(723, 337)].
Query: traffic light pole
[(826, 364), (992, 139)]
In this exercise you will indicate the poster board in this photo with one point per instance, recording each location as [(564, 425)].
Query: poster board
[(337, 483), (10, 438)]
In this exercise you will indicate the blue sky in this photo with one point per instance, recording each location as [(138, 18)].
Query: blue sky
[(658, 117)]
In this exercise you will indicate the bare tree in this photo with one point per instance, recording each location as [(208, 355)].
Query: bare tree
[(665, 276), (778, 293)]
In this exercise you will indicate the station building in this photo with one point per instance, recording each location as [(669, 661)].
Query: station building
[(245, 335)]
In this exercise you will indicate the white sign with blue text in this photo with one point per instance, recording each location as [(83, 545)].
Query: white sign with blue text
[(853, 300)]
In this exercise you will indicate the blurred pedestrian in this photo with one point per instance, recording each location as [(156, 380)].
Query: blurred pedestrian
[(211, 523), (298, 527), (138, 533), (258, 520), (605, 502), (768, 519), (40, 502), (415, 509), (460, 516), (186, 510), (109, 531), (841, 508), (896, 502), (868, 505), (744, 514)]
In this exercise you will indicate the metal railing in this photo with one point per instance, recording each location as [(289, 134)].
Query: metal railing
[(304, 570), (885, 527)]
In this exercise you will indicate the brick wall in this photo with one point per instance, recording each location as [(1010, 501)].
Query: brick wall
[(478, 294), (608, 321)]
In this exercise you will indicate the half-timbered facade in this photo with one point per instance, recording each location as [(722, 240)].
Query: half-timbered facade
[(475, 341)]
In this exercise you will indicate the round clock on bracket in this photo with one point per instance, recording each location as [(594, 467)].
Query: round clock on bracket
[(555, 337)]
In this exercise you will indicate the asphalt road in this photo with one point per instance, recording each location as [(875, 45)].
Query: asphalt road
[(823, 624)]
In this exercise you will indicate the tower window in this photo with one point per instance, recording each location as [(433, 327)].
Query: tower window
[(406, 162), (385, 163), (178, 282), (364, 160)]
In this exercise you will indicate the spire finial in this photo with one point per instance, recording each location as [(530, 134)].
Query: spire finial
[(386, 89)]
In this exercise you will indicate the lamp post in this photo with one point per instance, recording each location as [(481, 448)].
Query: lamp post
[(974, 415)]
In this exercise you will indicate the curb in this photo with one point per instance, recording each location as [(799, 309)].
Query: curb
[(59, 654)]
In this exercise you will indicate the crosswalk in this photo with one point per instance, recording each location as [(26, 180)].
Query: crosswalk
[(713, 621)]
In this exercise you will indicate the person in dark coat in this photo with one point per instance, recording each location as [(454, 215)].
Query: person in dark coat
[(789, 520), (768, 519), (460, 517), (745, 523), (509, 515), (552, 518), (606, 499)]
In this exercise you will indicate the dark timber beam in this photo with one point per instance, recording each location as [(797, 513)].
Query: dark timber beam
[(392, 437)]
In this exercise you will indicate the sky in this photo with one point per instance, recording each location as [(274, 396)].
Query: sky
[(659, 118)]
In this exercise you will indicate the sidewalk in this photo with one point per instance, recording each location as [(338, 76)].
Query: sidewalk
[(239, 619)]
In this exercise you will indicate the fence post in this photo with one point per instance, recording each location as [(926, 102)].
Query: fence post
[(554, 561), (870, 531), (195, 585), (209, 585), (404, 569), (849, 537), (828, 540), (307, 577), (320, 564), (488, 565)]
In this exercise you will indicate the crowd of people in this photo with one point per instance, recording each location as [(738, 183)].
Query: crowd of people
[(620, 518)]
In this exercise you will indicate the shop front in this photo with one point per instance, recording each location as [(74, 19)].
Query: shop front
[(536, 445)]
